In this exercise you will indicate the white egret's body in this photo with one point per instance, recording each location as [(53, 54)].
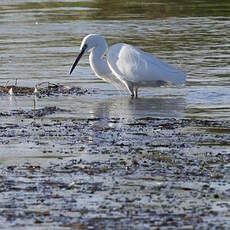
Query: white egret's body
[(127, 65)]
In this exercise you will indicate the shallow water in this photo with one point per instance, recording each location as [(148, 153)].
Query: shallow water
[(40, 39)]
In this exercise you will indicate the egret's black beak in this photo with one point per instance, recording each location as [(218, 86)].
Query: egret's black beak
[(78, 58)]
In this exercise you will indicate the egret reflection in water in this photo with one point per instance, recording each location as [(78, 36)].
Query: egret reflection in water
[(126, 108)]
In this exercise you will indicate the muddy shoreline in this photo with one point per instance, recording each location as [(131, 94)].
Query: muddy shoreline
[(100, 173)]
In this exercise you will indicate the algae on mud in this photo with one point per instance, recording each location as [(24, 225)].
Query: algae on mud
[(43, 89)]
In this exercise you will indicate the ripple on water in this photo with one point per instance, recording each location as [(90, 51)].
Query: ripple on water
[(39, 41)]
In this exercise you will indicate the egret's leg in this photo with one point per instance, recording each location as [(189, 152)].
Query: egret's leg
[(130, 88), (132, 93), (135, 92)]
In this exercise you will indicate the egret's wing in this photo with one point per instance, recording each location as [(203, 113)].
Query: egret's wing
[(132, 64)]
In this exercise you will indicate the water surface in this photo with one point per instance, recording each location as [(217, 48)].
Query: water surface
[(39, 41)]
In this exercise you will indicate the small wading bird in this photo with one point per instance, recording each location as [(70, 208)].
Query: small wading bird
[(126, 65)]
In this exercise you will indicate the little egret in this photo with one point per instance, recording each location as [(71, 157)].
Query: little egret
[(127, 65)]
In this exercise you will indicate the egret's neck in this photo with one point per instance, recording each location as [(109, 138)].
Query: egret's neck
[(97, 62)]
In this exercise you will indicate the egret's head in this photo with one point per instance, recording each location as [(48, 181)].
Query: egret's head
[(88, 43)]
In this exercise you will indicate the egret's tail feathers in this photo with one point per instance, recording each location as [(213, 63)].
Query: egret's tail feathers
[(177, 78)]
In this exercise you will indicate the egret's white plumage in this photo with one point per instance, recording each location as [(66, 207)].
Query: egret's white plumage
[(127, 65)]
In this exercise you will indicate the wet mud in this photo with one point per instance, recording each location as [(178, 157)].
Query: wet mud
[(146, 173), (43, 89), (34, 113)]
